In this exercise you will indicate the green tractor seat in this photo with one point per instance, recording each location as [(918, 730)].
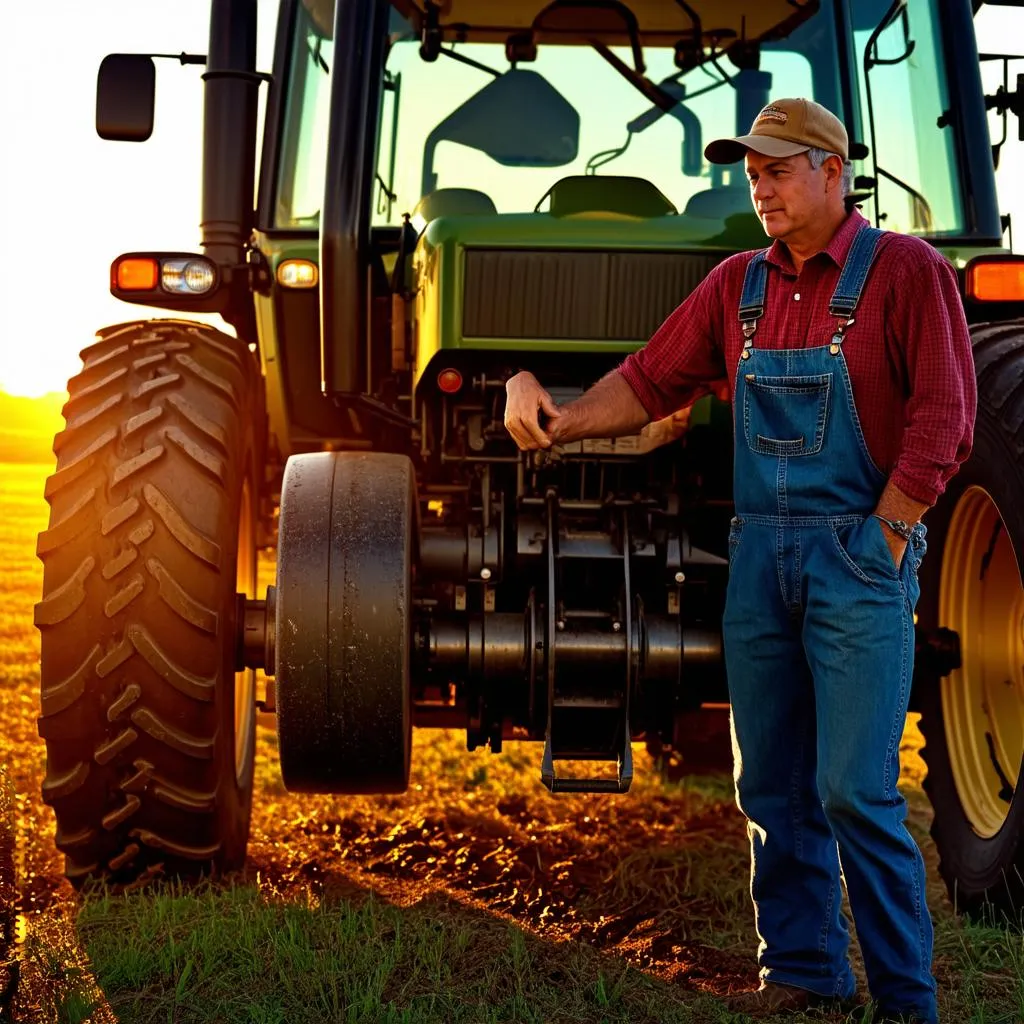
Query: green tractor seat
[(452, 202), (580, 195), (719, 203)]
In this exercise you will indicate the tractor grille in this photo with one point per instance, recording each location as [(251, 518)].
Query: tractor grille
[(614, 296)]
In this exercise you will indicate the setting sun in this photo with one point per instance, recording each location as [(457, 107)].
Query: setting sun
[(96, 199)]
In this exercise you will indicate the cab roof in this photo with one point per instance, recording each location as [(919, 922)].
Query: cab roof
[(659, 22), (582, 22)]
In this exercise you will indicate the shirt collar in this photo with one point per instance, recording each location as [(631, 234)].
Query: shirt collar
[(836, 250)]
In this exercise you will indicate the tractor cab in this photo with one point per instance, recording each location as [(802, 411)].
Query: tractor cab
[(488, 133), (511, 106)]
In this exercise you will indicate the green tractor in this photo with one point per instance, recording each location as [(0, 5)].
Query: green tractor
[(449, 192)]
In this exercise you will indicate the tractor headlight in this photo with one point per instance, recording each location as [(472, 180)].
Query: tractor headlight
[(187, 276)]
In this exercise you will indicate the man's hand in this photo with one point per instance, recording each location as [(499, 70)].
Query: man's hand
[(897, 545), (609, 409), (524, 399), (894, 504)]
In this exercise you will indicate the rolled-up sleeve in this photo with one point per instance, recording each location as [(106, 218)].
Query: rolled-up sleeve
[(932, 331), (684, 358)]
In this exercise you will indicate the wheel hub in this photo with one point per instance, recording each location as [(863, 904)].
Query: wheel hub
[(245, 677), (981, 599)]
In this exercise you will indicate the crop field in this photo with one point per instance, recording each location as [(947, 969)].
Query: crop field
[(474, 897)]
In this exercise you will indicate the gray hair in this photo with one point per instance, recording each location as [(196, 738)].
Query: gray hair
[(819, 156)]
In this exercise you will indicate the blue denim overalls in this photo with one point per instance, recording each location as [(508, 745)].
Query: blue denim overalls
[(819, 645)]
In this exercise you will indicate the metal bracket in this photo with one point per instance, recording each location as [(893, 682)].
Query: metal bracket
[(624, 777)]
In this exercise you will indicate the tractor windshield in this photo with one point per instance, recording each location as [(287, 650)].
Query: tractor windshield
[(496, 124)]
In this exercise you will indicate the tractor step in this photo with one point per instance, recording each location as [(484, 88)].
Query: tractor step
[(561, 784)]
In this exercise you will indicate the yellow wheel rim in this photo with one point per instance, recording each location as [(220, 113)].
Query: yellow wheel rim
[(245, 681), (981, 599)]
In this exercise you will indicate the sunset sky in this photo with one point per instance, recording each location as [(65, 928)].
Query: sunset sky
[(73, 202)]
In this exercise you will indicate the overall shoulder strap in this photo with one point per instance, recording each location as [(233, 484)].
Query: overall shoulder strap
[(855, 272), (754, 284), (751, 308)]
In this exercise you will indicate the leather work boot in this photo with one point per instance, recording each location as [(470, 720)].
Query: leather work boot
[(773, 998)]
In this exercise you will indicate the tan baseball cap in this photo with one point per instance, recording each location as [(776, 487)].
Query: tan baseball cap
[(785, 128)]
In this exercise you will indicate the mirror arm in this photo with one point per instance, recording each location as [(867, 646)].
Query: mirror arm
[(181, 58), (242, 76), (665, 101), (463, 59)]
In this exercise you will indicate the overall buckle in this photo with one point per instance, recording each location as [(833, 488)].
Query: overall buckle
[(839, 336)]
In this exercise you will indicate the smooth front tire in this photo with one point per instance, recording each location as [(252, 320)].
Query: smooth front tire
[(344, 622)]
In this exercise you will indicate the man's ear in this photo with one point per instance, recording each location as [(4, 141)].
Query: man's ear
[(833, 173)]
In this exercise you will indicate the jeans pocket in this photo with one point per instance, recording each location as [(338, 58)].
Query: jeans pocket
[(873, 527), (862, 547)]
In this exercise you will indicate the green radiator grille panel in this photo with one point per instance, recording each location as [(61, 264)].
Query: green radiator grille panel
[(576, 295)]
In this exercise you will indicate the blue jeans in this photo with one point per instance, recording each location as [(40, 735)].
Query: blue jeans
[(819, 643)]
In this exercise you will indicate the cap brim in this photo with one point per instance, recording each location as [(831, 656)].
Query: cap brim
[(729, 151)]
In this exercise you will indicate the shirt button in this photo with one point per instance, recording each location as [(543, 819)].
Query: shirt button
[(796, 297)]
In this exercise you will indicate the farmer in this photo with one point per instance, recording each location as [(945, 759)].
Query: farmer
[(849, 365)]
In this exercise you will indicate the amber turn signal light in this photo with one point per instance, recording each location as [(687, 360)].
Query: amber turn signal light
[(996, 280), (136, 274), (298, 274)]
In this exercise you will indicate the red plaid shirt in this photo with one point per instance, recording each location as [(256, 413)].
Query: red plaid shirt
[(909, 352)]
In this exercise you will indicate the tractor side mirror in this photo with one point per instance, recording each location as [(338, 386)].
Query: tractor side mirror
[(518, 120), (125, 97)]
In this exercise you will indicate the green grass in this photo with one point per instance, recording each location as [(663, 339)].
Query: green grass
[(227, 955)]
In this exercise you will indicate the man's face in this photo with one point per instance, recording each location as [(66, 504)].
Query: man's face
[(788, 193)]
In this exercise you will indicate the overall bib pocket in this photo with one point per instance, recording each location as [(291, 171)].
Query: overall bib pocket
[(786, 415)]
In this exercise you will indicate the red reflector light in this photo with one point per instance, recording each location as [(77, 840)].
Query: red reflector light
[(449, 381), (996, 280), (136, 274)]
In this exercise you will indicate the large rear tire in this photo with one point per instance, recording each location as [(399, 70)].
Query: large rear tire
[(149, 727), (344, 622), (973, 719)]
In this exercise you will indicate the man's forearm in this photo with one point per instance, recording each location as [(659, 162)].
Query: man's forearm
[(609, 409), (895, 504)]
